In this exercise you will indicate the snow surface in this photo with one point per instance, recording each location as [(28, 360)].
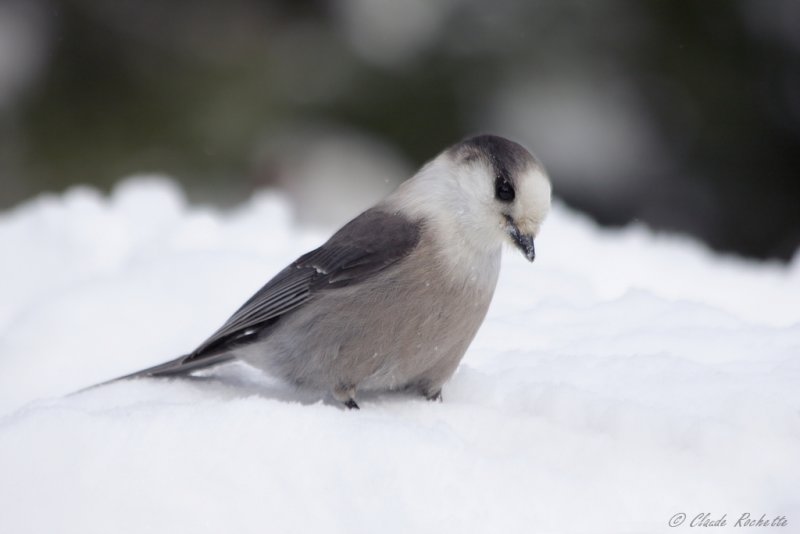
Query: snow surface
[(621, 379)]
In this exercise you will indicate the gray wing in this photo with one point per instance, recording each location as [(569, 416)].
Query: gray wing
[(364, 247)]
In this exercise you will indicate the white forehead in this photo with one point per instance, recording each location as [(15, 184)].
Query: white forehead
[(533, 198)]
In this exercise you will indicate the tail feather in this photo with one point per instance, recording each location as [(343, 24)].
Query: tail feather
[(179, 366)]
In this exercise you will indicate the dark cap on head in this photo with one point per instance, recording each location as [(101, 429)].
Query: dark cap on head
[(506, 157)]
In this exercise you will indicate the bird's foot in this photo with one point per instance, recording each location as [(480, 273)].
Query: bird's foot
[(346, 395), (435, 396)]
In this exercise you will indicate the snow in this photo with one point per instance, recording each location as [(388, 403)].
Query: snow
[(624, 377)]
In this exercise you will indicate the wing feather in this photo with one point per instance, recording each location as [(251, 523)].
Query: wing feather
[(365, 246)]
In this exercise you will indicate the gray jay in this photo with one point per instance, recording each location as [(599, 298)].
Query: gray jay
[(395, 297)]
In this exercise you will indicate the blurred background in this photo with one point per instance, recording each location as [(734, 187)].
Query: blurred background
[(683, 115)]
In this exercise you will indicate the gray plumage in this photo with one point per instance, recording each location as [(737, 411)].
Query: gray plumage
[(394, 298)]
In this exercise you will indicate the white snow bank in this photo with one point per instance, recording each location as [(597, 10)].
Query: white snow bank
[(621, 379)]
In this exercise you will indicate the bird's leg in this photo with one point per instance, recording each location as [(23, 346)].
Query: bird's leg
[(346, 395), (432, 391), (434, 395)]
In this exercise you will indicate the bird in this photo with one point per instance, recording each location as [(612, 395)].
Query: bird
[(394, 298)]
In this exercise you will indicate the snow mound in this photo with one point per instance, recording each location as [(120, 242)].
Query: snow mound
[(623, 378)]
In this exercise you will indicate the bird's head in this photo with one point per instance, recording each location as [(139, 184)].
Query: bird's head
[(506, 187), (480, 193)]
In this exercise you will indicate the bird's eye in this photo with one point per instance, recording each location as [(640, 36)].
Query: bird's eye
[(503, 190)]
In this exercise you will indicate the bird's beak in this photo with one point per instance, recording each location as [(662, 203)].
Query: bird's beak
[(522, 240)]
